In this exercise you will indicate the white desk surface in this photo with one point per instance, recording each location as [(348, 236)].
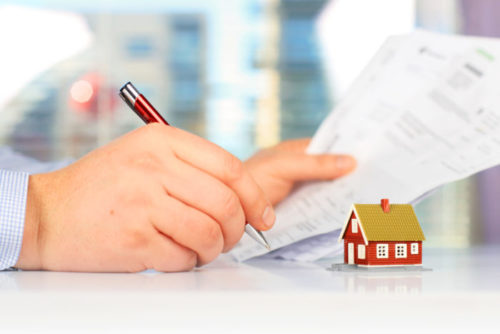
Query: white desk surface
[(460, 295)]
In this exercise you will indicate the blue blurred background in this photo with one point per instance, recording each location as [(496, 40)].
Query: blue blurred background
[(242, 73)]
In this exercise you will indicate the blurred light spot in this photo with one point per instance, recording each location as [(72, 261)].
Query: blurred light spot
[(81, 91)]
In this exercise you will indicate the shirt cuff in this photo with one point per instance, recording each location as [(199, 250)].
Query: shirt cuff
[(13, 195)]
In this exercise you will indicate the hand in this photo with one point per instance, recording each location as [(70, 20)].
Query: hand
[(156, 198), (278, 168)]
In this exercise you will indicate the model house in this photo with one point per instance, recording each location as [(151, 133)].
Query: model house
[(382, 235)]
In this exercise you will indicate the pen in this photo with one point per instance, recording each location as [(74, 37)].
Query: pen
[(145, 110)]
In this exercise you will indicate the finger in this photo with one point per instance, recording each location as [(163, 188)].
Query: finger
[(303, 167), (204, 192), (293, 145), (167, 256), (190, 228), (219, 163)]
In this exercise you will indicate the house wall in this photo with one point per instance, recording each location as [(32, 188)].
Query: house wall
[(355, 238), (371, 254), (371, 249)]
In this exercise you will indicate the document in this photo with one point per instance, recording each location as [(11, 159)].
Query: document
[(424, 112)]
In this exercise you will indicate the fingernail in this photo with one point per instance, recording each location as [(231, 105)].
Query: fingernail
[(268, 217), (345, 162)]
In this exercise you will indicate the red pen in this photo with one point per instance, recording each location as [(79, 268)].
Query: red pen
[(145, 110)]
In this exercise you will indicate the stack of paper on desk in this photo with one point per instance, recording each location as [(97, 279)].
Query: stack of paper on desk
[(424, 112)]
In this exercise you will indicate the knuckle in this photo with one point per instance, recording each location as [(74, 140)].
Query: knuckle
[(133, 198), (212, 236), (157, 132), (232, 219), (185, 260), (135, 238), (190, 262), (234, 168), (154, 129), (231, 205), (211, 243), (235, 235), (145, 160)]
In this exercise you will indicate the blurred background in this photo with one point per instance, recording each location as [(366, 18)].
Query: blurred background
[(244, 74)]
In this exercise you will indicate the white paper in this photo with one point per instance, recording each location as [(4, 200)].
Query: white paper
[(309, 249), (423, 113)]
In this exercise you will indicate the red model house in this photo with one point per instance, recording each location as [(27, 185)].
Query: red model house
[(382, 235)]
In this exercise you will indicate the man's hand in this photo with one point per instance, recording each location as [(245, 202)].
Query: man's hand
[(156, 198), (277, 169)]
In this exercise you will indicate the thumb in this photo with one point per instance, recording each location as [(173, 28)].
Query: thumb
[(304, 167)]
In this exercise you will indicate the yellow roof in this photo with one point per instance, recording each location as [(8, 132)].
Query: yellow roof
[(399, 224)]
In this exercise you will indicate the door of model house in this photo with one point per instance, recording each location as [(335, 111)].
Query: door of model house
[(350, 253)]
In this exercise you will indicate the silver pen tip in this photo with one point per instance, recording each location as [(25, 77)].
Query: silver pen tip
[(257, 236)]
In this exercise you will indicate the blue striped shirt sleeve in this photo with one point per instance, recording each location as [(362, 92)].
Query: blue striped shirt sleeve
[(13, 195), (14, 171)]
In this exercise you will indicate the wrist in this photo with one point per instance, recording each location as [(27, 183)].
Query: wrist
[(29, 257)]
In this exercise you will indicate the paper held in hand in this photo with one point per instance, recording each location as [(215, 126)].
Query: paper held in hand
[(424, 112)]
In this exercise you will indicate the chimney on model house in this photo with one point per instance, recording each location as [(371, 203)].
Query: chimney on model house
[(384, 203)]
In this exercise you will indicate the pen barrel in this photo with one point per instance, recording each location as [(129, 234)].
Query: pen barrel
[(147, 112)]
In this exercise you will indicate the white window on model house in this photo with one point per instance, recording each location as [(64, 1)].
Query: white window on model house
[(382, 251), (354, 225), (400, 251), (361, 252), (414, 248)]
